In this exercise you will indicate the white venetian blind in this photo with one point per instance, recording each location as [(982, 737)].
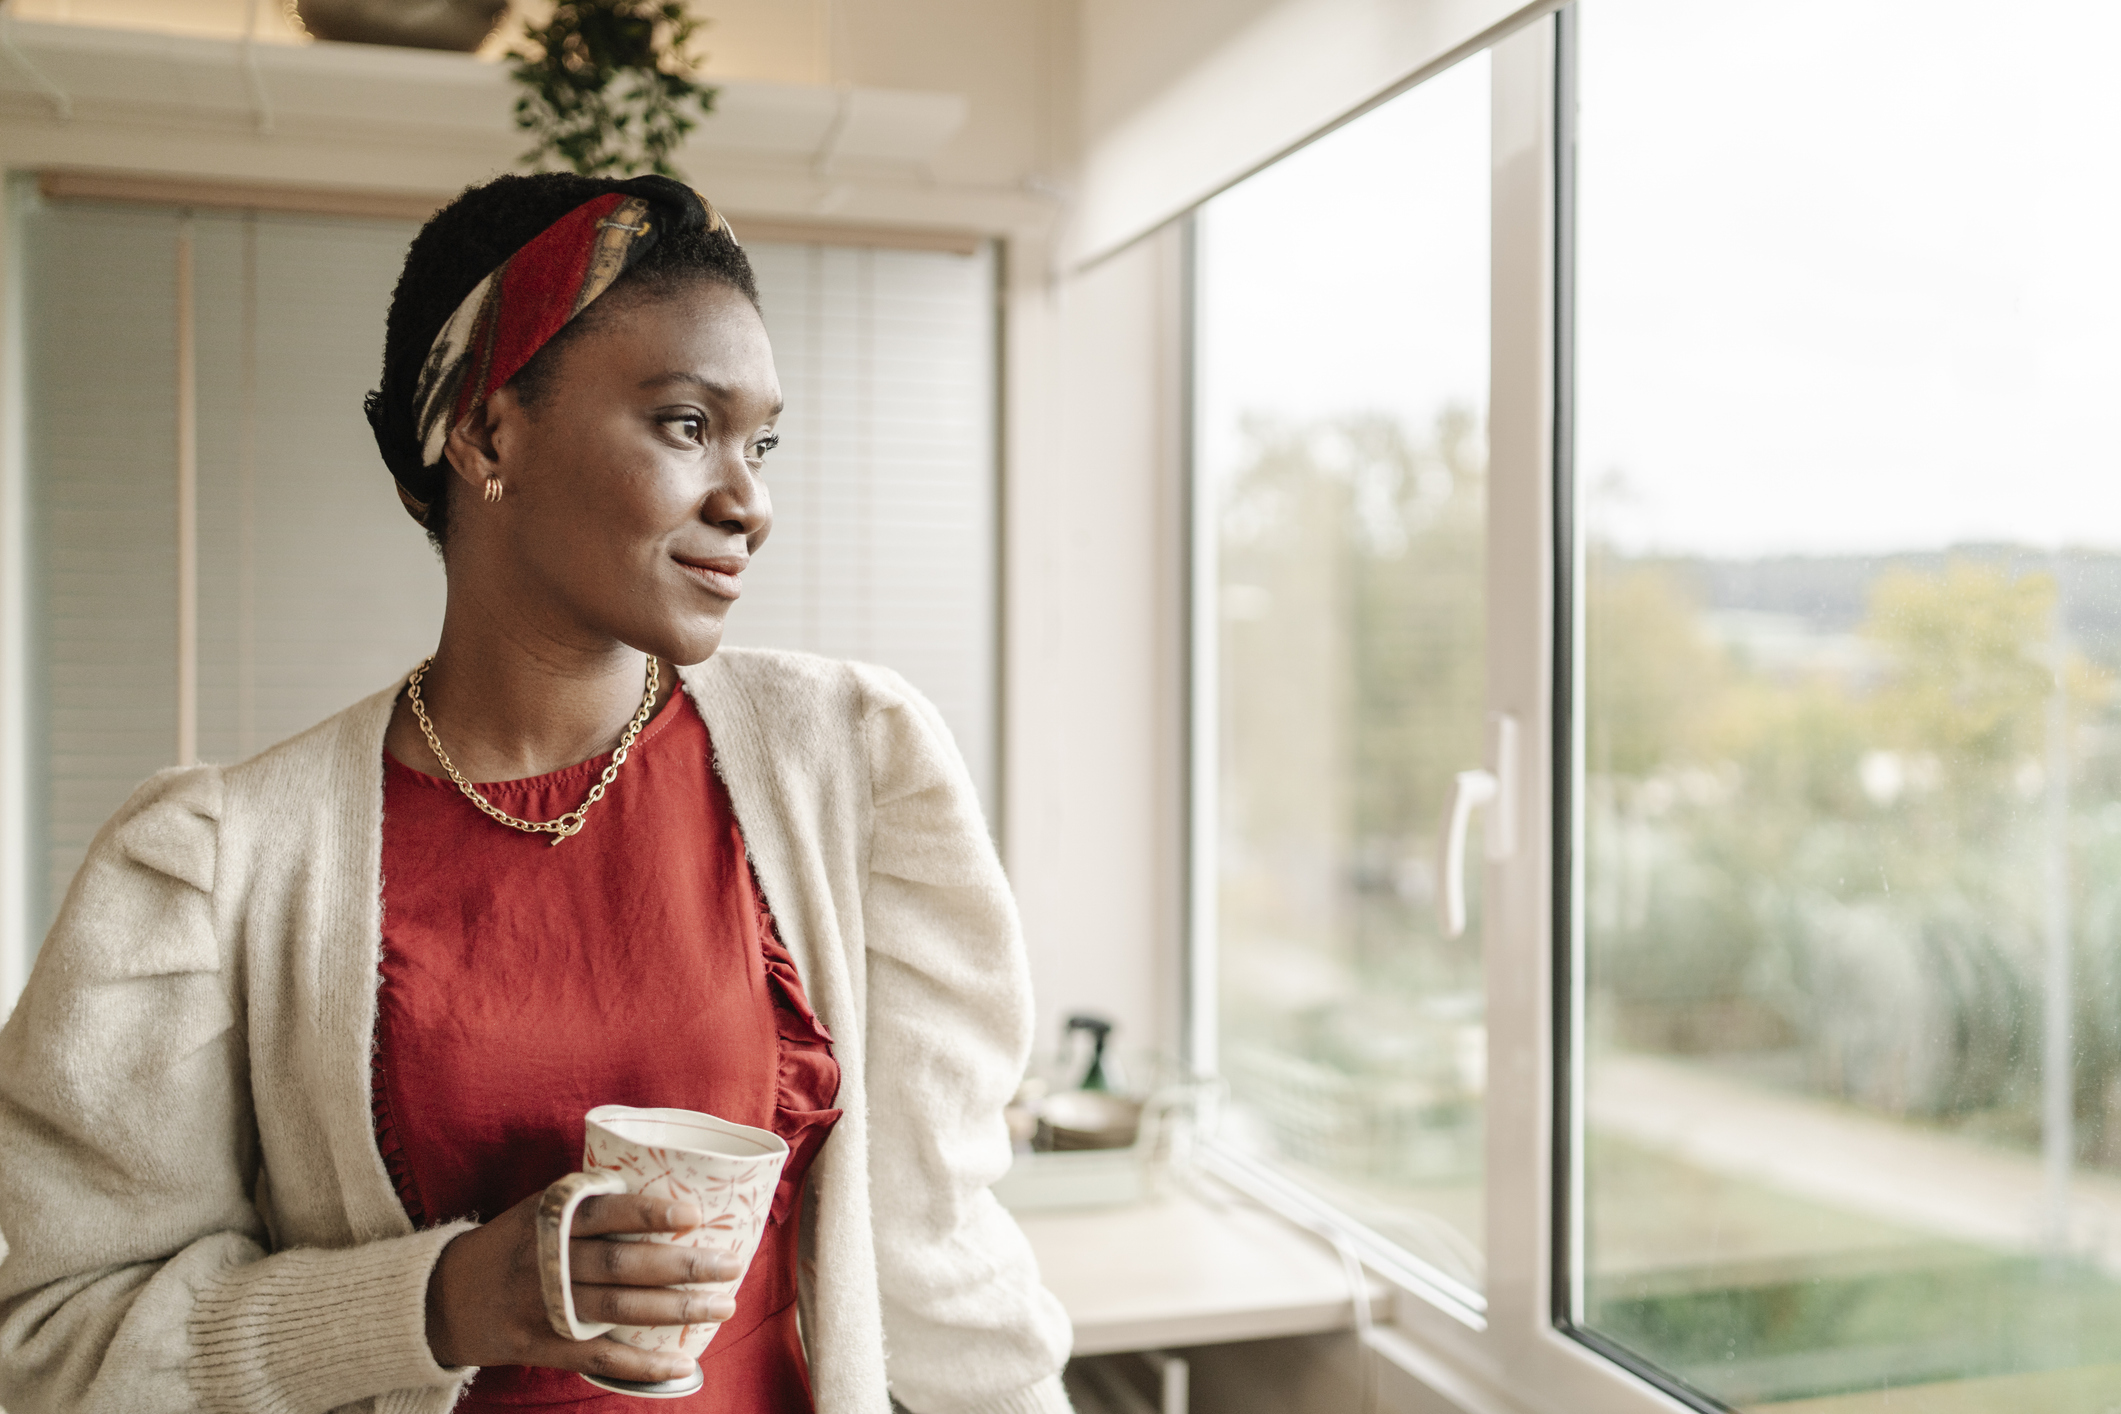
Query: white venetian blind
[(314, 589), (883, 546)]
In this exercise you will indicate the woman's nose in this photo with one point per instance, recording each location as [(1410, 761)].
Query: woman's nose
[(741, 504)]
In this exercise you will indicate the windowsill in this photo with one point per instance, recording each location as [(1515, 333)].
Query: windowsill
[(1202, 1267)]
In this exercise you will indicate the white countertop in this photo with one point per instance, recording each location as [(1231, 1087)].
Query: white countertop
[(1187, 1270)]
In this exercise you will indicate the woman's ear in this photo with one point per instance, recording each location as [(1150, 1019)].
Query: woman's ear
[(473, 449)]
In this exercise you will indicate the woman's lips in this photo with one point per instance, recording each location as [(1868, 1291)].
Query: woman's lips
[(722, 578)]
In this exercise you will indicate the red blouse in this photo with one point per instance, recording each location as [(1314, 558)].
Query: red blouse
[(635, 964)]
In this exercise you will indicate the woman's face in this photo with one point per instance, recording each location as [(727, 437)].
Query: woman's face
[(632, 497)]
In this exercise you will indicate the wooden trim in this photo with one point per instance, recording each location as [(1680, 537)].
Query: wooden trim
[(187, 504), (65, 185), (24, 868), (768, 231)]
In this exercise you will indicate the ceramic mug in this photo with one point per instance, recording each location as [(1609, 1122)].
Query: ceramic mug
[(727, 1170)]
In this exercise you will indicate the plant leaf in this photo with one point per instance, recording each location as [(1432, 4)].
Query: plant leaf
[(602, 83)]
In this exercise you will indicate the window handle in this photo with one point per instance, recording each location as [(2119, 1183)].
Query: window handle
[(1470, 790)]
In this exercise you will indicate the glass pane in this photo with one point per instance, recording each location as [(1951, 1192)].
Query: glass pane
[(1851, 789), (1342, 397)]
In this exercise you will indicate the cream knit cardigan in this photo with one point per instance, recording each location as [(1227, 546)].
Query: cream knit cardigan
[(193, 1212)]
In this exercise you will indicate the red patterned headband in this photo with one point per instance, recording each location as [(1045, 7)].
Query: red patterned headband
[(529, 297)]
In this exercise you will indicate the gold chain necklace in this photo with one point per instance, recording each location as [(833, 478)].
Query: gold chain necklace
[(568, 825)]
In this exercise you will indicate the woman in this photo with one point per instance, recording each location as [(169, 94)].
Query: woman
[(312, 1033)]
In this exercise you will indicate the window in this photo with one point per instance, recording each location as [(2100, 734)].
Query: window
[(314, 590), (1785, 531), (1341, 402), (1850, 783)]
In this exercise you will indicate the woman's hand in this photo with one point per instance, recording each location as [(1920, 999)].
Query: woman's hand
[(485, 1305)]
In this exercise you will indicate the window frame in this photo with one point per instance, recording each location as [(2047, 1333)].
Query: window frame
[(1513, 1345)]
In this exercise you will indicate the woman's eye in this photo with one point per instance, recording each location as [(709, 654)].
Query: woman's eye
[(763, 446), (691, 426)]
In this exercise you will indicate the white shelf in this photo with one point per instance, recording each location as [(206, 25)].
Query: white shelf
[(62, 72)]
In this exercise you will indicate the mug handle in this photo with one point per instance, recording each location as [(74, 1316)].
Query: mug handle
[(555, 1224)]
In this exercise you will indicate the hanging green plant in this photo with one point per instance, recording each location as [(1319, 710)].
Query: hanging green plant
[(608, 86)]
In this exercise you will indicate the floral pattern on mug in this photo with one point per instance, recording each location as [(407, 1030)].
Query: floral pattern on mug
[(735, 1195)]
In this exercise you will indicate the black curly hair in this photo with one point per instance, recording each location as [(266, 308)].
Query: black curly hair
[(462, 244)]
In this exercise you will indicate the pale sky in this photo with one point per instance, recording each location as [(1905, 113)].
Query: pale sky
[(1847, 278), (1353, 276)]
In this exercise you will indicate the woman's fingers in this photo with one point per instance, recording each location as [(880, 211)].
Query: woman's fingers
[(601, 1262), (485, 1304), (651, 1306), (634, 1212), (607, 1358)]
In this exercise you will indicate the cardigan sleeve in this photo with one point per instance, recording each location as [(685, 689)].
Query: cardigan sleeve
[(134, 1273), (968, 1327)]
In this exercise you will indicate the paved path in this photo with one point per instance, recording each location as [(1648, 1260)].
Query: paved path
[(1845, 1158)]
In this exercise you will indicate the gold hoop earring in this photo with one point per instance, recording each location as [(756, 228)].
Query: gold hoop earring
[(493, 489)]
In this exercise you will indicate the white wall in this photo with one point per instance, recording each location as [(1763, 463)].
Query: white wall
[(1095, 619), (1169, 100), (1182, 97)]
